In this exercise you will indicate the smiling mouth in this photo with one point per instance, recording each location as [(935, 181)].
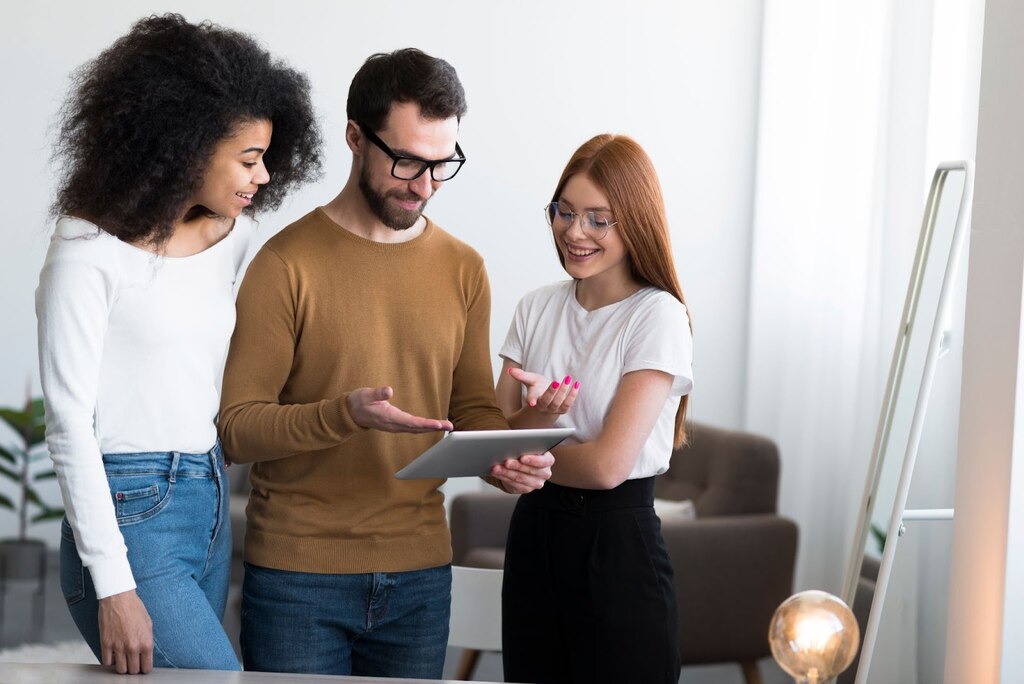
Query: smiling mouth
[(408, 202), (580, 252), (246, 195)]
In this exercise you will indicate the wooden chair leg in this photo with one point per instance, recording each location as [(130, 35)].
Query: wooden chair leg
[(751, 673), (467, 664)]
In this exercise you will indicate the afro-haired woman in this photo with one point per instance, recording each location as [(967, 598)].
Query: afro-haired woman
[(165, 150)]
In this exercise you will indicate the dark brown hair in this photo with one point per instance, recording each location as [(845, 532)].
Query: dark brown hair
[(407, 75)]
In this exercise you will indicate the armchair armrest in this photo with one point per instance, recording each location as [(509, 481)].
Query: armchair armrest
[(731, 573), (479, 521)]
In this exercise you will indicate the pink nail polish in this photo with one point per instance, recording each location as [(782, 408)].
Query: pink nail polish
[(567, 379), (554, 385), (577, 385)]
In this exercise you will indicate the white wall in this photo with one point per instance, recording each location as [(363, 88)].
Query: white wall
[(540, 77), (986, 605)]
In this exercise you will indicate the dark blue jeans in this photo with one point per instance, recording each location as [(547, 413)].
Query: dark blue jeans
[(381, 624)]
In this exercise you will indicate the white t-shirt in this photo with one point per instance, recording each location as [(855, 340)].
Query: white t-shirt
[(553, 335), (131, 351)]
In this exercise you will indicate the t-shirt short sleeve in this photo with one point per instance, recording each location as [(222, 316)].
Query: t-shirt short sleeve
[(515, 340), (659, 339)]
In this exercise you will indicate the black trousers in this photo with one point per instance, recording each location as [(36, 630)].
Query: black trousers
[(588, 593)]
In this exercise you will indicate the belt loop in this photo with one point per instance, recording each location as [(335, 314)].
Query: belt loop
[(175, 457), (216, 456)]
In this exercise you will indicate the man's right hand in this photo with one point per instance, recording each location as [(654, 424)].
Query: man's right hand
[(126, 634), (370, 408)]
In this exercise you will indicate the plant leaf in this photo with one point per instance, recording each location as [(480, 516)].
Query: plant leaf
[(49, 514), (18, 420), (6, 503), (38, 454), (29, 423), (48, 475), (37, 412), (8, 456), (32, 496), (7, 472), (37, 409)]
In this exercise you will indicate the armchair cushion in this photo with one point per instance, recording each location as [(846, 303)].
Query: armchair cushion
[(724, 472)]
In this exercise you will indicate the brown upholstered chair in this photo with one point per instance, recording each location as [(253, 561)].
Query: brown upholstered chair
[(733, 563)]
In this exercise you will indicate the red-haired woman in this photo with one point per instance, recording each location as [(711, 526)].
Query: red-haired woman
[(588, 594)]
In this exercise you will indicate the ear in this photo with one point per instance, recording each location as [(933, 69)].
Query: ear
[(354, 138)]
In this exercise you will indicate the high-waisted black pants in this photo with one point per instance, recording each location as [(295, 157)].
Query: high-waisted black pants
[(588, 593)]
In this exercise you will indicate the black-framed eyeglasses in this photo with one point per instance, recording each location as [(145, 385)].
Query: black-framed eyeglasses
[(411, 168), (593, 224)]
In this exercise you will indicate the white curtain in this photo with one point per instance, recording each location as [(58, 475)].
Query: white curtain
[(858, 104)]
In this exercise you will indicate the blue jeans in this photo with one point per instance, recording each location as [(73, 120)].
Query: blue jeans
[(381, 624), (172, 509)]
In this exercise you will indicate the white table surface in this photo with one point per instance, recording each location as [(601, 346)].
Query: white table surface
[(68, 673)]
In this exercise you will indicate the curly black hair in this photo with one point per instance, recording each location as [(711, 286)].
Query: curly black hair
[(144, 117), (407, 75)]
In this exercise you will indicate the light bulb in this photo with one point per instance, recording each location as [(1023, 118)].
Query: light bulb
[(813, 636)]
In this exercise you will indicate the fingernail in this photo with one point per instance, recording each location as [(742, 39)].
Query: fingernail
[(554, 385), (567, 379), (577, 385)]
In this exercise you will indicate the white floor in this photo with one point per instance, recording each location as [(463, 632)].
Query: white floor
[(65, 644)]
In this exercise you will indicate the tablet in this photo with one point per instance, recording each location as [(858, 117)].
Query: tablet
[(471, 453)]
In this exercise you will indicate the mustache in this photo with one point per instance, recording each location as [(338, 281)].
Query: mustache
[(404, 196)]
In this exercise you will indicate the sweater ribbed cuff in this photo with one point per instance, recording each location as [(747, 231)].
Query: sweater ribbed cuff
[(340, 419)]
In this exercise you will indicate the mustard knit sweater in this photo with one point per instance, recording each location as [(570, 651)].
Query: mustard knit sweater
[(322, 312)]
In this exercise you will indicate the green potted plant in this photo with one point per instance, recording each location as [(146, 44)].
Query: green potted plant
[(23, 557)]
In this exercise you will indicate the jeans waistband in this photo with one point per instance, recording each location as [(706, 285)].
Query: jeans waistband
[(174, 463), (630, 494)]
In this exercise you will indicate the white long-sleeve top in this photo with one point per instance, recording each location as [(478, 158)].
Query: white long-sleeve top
[(131, 351)]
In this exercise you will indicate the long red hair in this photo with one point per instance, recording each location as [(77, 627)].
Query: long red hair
[(623, 171)]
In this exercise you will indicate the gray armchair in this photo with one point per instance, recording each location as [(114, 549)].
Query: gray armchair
[(733, 563)]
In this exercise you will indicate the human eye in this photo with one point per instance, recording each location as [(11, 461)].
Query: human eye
[(598, 220), (562, 212), (408, 168)]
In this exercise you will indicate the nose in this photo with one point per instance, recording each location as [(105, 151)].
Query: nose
[(262, 176), (575, 228), (423, 186)]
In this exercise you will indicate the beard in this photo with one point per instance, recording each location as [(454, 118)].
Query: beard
[(391, 216)]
